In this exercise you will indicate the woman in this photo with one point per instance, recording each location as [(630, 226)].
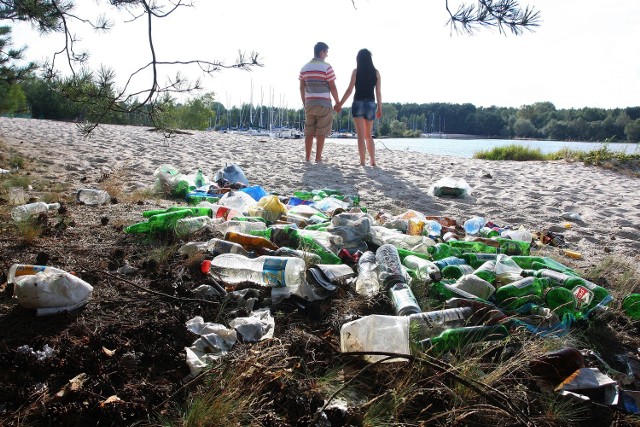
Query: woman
[(365, 107)]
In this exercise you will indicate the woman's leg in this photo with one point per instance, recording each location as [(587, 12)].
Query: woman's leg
[(371, 146), (360, 123)]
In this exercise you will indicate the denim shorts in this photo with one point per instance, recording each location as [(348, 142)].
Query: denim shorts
[(365, 108)]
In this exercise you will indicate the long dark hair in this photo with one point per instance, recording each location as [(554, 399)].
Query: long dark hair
[(365, 65)]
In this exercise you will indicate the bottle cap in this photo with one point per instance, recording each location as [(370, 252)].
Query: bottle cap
[(205, 267)]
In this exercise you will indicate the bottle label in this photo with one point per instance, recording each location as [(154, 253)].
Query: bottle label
[(273, 272), (582, 297), (520, 284)]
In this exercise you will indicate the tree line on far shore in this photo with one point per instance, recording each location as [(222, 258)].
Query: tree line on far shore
[(38, 98)]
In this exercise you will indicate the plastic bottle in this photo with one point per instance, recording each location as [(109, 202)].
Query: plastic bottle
[(159, 222), (309, 257), (449, 236), (200, 179), (474, 224), (192, 224), (451, 260), (18, 270), (460, 337), (24, 212), (425, 270), (91, 196), (631, 306), (367, 283), (433, 228), (394, 281), (396, 334), (219, 246), (270, 271), (518, 293), (442, 250), (456, 271)]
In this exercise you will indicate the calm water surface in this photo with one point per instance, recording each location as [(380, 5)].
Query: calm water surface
[(467, 147)]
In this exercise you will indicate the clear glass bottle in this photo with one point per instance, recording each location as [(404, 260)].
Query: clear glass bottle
[(24, 212)]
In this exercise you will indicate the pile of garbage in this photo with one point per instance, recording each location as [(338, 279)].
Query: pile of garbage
[(305, 246)]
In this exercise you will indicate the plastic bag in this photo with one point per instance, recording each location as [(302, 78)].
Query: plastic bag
[(452, 187), (271, 207), (229, 175), (166, 178), (51, 293), (237, 200)]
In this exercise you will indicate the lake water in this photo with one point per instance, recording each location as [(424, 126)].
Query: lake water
[(467, 147)]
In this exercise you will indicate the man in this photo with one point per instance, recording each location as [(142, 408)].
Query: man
[(317, 86)]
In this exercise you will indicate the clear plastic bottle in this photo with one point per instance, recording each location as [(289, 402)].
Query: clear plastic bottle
[(367, 282), (433, 228), (284, 275), (397, 334), (92, 196), (424, 269), (394, 281), (474, 225), (192, 224), (24, 212)]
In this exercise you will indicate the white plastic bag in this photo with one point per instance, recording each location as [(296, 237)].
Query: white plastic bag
[(52, 292), (452, 187)]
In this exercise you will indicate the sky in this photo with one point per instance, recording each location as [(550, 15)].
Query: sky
[(585, 53)]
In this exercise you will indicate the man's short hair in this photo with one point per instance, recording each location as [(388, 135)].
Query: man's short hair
[(319, 47)]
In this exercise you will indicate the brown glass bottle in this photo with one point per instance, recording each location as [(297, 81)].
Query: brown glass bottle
[(557, 365), (249, 241)]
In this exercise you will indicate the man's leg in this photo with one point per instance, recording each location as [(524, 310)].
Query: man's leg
[(308, 144), (319, 147)]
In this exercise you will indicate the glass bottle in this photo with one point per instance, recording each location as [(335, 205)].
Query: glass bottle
[(91, 196), (456, 338), (424, 270), (159, 222), (249, 241), (456, 271), (631, 306), (442, 250), (24, 212), (520, 292)]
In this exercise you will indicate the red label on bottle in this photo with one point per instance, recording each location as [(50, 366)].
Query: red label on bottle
[(582, 296)]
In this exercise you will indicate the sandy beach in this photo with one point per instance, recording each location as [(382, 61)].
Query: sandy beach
[(532, 194)]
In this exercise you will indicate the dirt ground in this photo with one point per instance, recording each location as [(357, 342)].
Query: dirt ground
[(120, 360)]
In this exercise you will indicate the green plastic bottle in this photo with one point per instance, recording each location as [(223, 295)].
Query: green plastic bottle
[(442, 250), (631, 306), (159, 222), (455, 338), (520, 292)]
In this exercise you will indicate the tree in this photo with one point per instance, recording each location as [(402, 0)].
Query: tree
[(58, 16), (524, 128), (632, 130), (10, 72), (501, 14)]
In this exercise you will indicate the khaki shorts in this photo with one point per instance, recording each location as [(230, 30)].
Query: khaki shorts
[(318, 120)]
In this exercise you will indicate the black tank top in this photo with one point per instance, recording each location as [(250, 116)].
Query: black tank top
[(365, 82)]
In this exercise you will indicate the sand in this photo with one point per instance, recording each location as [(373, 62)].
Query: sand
[(532, 194)]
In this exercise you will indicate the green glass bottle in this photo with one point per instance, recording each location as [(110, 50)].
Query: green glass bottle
[(197, 211), (487, 271), (631, 306), (539, 262), (520, 292), (442, 250), (290, 237), (456, 271), (318, 227), (249, 219), (513, 247), (159, 222), (599, 293), (456, 338), (561, 301), (194, 199), (465, 246), (405, 253), (475, 260)]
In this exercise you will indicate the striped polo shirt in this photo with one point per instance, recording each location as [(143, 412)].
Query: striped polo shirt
[(317, 74)]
